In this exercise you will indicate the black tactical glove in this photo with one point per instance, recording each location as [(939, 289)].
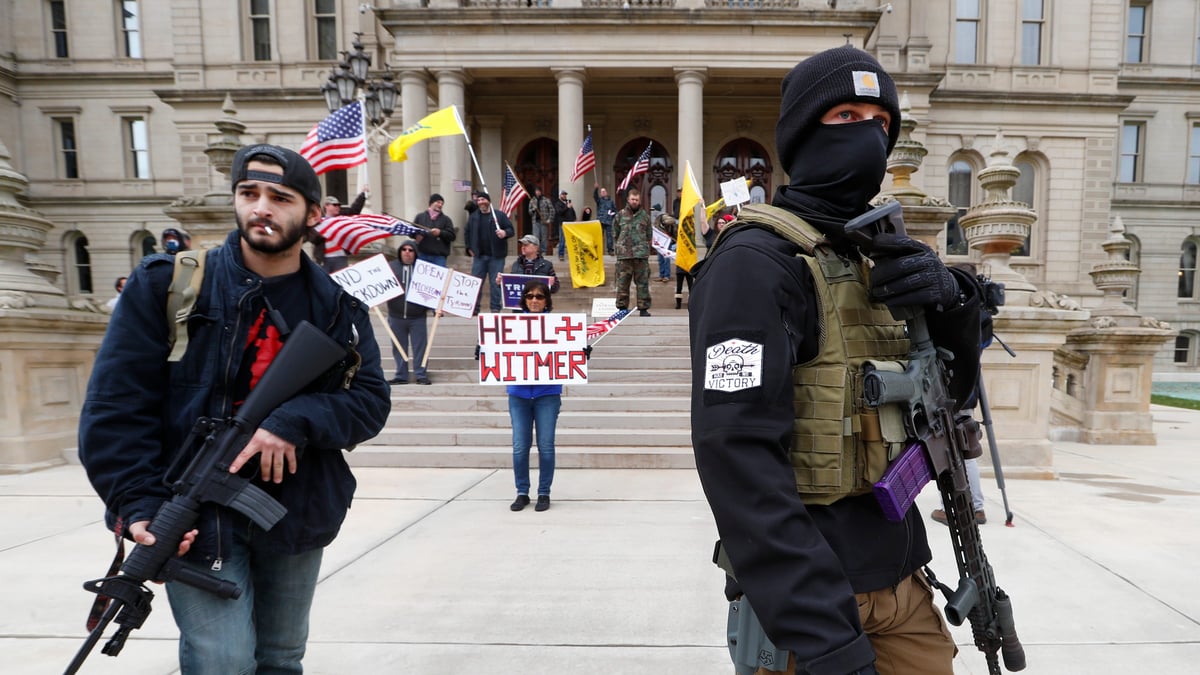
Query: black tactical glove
[(908, 273), (587, 352)]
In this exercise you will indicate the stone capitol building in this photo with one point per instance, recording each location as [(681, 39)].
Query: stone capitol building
[(1055, 145)]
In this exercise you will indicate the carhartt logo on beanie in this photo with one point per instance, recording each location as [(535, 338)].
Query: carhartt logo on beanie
[(816, 84)]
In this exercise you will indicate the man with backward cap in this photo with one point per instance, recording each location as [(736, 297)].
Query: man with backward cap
[(142, 401), (784, 312)]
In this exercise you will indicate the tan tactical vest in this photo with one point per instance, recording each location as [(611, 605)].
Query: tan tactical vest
[(840, 447)]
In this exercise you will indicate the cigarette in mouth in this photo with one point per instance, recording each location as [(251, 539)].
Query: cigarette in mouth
[(268, 229)]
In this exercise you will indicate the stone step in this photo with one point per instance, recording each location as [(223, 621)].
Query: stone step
[(471, 389), (569, 419), (621, 436), (440, 377), (500, 457), (499, 403)]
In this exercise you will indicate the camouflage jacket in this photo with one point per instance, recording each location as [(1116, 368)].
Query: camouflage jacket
[(632, 234)]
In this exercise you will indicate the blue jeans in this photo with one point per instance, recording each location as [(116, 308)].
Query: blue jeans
[(664, 267), (439, 260), (263, 631), (562, 241), (487, 267), (525, 412), (405, 329), (608, 237)]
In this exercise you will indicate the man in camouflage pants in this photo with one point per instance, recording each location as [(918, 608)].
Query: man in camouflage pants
[(631, 238)]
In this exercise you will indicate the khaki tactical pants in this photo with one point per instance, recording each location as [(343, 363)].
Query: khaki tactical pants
[(906, 629)]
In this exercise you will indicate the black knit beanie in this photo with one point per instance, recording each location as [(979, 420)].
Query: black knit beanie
[(821, 81)]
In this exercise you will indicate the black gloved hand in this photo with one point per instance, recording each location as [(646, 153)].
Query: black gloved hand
[(908, 273), (587, 352), (477, 352)]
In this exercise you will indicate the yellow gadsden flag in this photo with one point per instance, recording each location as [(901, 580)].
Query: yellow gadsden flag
[(444, 122), (691, 206), (585, 250)]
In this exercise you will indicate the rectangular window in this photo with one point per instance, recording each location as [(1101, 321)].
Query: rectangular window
[(1193, 171), (325, 29), (966, 31), (260, 29), (68, 151), (1032, 20), (1136, 39), (137, 148), (131, 28), (1130, 169), (58, 28)]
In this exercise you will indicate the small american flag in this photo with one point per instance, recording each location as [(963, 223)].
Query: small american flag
[(337, 142), (642, 165), (586, 161), (351, 233), (514, 192), (598, 329)]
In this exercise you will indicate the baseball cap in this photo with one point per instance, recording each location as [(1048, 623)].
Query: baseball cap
[(530, 239), (297, 174)]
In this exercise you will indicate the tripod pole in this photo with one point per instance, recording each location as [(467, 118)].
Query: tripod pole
[(985, 412)]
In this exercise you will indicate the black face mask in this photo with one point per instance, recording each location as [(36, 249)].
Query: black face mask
[(836, 170)]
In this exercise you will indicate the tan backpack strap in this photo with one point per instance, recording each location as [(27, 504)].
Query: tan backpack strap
[(181, 299), (782, 222)]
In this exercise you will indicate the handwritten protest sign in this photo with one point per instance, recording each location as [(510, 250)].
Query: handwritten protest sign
[(736, 191), (461, 294), (512, 285), (371, 281), (427, 284), (532, 349)]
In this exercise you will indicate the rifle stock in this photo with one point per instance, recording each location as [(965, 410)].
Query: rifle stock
[(921, 391), (306, 354)]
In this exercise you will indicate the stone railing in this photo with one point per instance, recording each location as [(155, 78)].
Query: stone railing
[(751, 4)]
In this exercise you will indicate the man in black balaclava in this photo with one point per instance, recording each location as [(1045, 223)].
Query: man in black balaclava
[(783, 315)]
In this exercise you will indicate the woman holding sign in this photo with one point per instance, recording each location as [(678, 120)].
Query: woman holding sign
[(534, 404)]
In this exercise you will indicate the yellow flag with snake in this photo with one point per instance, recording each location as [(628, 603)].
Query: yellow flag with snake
[(585, 251)]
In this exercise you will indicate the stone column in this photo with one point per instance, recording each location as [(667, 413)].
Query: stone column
[(925, 217), (209, 218), (47, 343), (456, 164), (1034, 323), (1118, 348), (491, 154), (690, 82), (570, 130), (414, 96)]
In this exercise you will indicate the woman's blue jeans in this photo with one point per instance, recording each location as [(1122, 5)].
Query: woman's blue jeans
[(263, 631), (525, 413)]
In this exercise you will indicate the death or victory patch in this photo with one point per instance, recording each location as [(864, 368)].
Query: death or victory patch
[(733, 365)]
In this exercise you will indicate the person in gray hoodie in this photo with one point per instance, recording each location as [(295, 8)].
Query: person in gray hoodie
[(407, 319)]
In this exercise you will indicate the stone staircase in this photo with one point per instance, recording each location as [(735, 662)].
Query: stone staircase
[(632, 413)]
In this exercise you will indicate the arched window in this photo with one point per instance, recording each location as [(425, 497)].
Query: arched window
[(1187, 270), (659, 173), (1185, 349), (147, 244), (961, 180), (744, 157), (80, 264)]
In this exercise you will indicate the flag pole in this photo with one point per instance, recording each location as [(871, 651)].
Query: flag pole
[(610, 330), (475, 161), (364, 171)]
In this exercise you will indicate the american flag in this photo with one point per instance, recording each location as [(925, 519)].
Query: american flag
[(351, 233), (586, 161), (514, 192), (598, 329), (642, 165), (337, 142)]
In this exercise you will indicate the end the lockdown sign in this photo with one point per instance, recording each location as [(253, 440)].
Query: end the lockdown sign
[(371, 281)]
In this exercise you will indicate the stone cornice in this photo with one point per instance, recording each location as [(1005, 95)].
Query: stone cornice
[(1116, 102)]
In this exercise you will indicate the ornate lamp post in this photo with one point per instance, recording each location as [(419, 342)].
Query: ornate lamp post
[(349, 81)]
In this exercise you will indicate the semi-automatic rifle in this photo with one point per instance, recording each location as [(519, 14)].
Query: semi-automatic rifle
[(941, 440), (306, 354)]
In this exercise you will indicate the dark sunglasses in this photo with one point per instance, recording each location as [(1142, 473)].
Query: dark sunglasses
[(408, 248), (534, 296)]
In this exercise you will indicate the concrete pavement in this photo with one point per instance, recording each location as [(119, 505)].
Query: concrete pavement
[(433, 574)]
